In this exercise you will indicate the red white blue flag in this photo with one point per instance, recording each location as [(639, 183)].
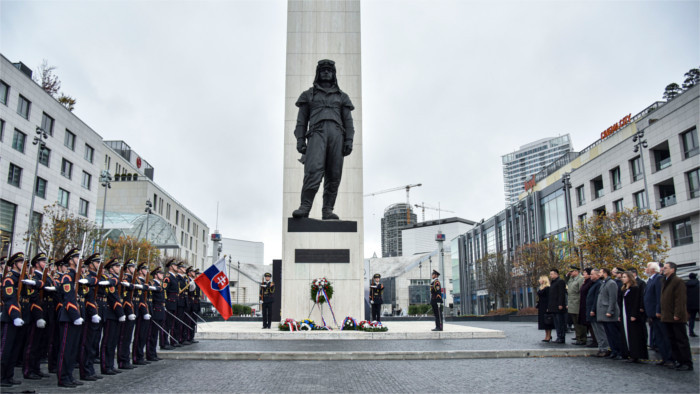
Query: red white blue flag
[(214, 284)]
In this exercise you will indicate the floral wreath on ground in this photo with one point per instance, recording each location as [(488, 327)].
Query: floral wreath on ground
[(302, 325), (350, 324), (320, 288)]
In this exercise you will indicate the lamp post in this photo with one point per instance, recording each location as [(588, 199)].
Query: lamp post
[(238, 282), (148, 213), (639, 144), (40, 140), (106, 180)]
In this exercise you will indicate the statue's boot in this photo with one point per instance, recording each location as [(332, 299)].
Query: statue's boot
[(327, 210), (307, 200)]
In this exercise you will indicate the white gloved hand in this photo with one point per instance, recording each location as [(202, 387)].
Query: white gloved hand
[(152, 288), (78, 321), (50, 288), (371, 302), (138, 286), (18, 322), (126, 284), (104, 283), (192, 286), (122, 318), (132, 317), (83, 281), (146, 317), (29, 282), (41, 323), (96, 319)]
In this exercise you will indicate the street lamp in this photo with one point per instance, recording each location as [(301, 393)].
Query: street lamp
[(639, 144), (148, 213), (238, 282), (106, 180), (40, 140)]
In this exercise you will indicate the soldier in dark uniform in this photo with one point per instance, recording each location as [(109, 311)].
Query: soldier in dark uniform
[(69, 320), (267, 291), (324, 122), (435, 299), (32, 350), (157, 295), (113, 316), (170, 286), (191, 295), (49, 302), (197, 307), (11, 321), (376, 290), (126, 330), (143, 316), (181, 304), (55, 299), (92, 327)]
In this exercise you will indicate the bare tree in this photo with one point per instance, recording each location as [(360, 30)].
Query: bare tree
[(47, 79), (498, 277)]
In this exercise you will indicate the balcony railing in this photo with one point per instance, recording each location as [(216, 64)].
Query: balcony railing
[(668, 201), (660, 165)]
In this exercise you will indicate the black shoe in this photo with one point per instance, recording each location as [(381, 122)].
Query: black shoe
[(116, 371), (546, 340), (127, 367), (32, 376), (153, 359), (67, 384), (166, 347), (139, 362), (14, 382), (561, 341), (193, 341), (692, 334), (618, 358), (98, 377), (435, 329), (329, 216), (185, 343), (89, 378), (177, 345), (5, 384), (109, 372), (300, 213), (77, 383), (684, 367), (634, 360), (579, 343)]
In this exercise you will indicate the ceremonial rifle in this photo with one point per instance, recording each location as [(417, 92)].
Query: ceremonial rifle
[(20, 285), (78, 272), (133, 278)]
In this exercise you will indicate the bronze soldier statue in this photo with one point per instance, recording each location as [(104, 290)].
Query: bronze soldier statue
[(324, 133)]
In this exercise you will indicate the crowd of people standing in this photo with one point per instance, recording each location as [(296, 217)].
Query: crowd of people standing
[(624, 315)]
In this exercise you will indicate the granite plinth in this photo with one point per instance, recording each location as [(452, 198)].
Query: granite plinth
[(309, 225)]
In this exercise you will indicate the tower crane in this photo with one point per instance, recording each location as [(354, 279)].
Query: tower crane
[(408, 190), (423, 207)]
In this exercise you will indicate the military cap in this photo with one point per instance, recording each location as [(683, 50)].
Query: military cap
[(180, 264), (188, 270), (574, 268), (377, 276), (169, 263), (41, 256), (131, 263), (75, 252), (142, 265), (436, 273), (268, 275), (16, 258), (94, 258), (156, 270), (111, 263), (325, 63), (62, 262)]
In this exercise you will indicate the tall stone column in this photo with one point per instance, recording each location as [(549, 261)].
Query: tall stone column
[(332, 249)]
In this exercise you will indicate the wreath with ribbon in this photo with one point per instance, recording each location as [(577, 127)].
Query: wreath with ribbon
[(289, 325), (349, 324), (321, 290)]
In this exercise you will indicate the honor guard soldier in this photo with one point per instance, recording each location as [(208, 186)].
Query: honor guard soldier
[(191, 289), (170, 286), (126, 330), (55, 299), (375, 297), (435, 299), (197, 306), (155, 330), (69, 319), (143, 316), (181, 304), (91, 329), (11, 321), (267, 291), (113, 315), (32, 350)]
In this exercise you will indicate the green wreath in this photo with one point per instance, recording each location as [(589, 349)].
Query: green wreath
[(316, 284)]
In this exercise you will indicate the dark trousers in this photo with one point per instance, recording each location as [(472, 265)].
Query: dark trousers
[(580, 329), (108, 345), (661, 339), (32, 350), (376, 312), (96, 338), (170, 326), (612, 331), (680, 347), (54, 344), (69, 336), (86, 359), (560, 325), (153, 333), (140, 339), (189, 331), (691, 321), (10, 347), (436, 312), (126, 332), (324, 161), (267, 314), (179, 327)]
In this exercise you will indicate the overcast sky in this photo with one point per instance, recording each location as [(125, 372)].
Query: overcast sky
[(197, 89)]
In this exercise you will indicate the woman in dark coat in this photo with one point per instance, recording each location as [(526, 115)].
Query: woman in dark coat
[(692, 291), (582, 316), (632, 320), (542, 302)]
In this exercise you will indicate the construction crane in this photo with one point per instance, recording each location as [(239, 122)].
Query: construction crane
[(423, 207), (408, 190)]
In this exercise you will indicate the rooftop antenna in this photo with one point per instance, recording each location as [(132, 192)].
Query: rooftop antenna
[(217, 215)]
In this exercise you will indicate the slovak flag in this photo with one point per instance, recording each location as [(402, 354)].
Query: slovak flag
[(214, 284)]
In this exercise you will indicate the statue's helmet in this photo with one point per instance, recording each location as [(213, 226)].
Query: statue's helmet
[(326, 64)]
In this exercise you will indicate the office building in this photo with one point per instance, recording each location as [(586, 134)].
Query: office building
[(420, 237), (396, 216)]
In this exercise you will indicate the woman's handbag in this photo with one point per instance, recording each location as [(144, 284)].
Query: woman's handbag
[(548, 318)]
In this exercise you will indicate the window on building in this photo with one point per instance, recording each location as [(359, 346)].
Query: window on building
[(167, 212), (47, 123), (177, 217), (2, 130), (617, 204), (690, 143), (69, 140), (661, 156), (63, 197), (580, 197), (682, 232), (694, 182), (155, 202), (40, 187), (83, 211), (14, 176), (19, 140), (45, 156), (23, 106), (636, 168), (188, 225), (87, 180), (108, 162), (4, 92), (597, 187), (667, 193), (190, 242), (600, 211), (89, 153), (615, 178), (66, 168), (640, 200)]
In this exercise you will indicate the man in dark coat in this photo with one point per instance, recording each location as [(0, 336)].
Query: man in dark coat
[(36, 331), (652, 307), (591, 314), (170, 287), (12, 321), (324, 133), (69, 319), (375, 297), (113, 315), (158, 319), (674, 315), (267, 291), (435, 299), (557, 304), (693, 292)]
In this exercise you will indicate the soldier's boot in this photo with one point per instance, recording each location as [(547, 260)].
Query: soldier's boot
[(327, 210), (327, 214), (307, 200)]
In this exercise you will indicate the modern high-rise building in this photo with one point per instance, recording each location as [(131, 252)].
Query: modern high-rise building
[(396, 217), (527, 161)]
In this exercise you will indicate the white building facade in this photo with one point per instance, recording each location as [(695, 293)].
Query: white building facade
[(420, 237)]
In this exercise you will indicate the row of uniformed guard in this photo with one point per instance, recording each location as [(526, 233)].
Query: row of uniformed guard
[(86, 312)]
